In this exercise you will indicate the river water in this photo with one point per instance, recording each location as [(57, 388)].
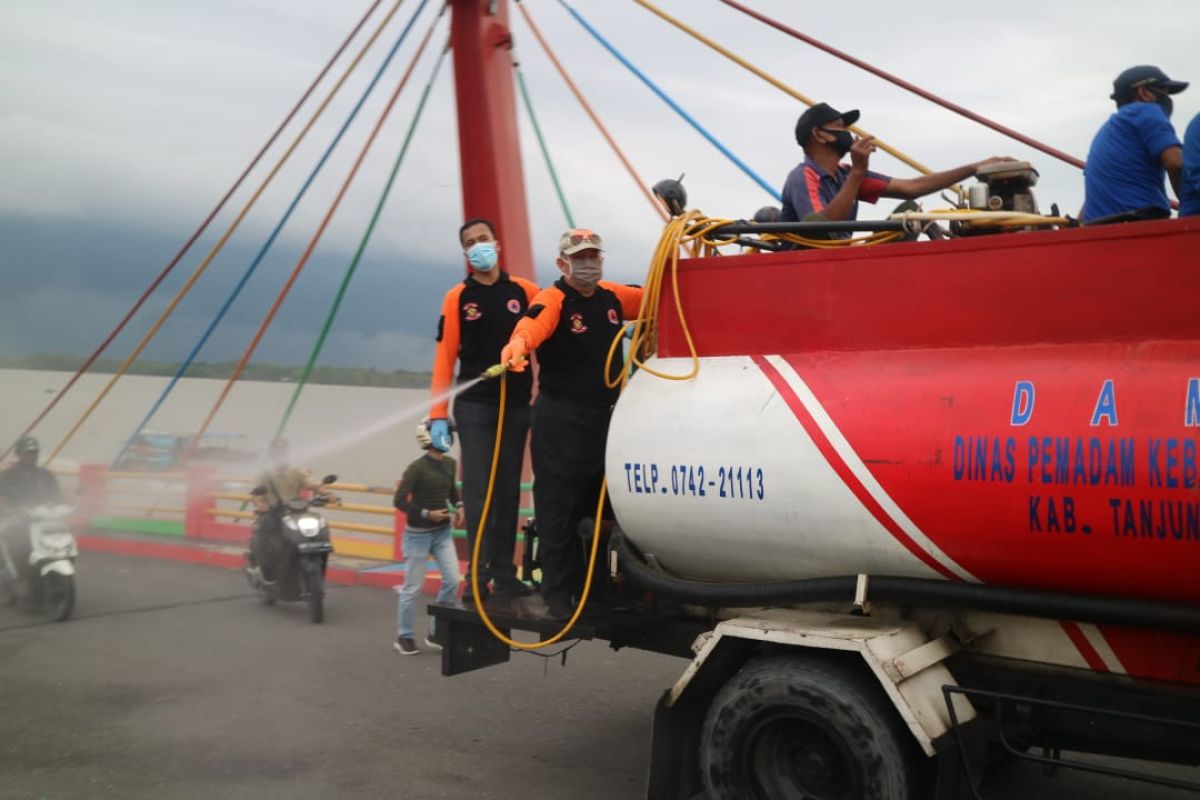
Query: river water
[(324, 413)]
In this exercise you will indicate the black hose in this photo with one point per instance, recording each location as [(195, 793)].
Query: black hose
[(1173, 617)]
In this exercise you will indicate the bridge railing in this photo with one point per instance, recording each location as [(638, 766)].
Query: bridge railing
[(199, 503)]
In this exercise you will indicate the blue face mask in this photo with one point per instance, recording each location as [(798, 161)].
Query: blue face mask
[(483, 256)]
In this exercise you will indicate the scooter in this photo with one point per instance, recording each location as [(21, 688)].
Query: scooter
[(294, 569), (45, 579)]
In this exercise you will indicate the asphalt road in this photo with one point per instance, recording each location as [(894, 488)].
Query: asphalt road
[(172, 682)]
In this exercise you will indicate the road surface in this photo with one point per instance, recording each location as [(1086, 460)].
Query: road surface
[(172, 682)]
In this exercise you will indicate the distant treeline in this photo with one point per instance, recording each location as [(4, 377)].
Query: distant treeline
[(337, 376)]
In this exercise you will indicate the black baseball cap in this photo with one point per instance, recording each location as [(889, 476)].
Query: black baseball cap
[(822, 114), (1144, 75)]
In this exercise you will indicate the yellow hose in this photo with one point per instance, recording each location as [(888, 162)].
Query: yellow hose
[(684, 231), (487, 504)]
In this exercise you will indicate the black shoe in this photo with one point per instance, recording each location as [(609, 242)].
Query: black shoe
[(511, 586), (405, 646), (468, 597), (559, 608)]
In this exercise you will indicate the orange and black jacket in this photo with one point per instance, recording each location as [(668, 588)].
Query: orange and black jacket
[(572, 335), (477, 321)]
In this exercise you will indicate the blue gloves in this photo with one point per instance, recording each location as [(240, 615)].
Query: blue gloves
[(439, 431)]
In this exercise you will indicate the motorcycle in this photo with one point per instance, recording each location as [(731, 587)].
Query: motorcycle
[(294, 569), (44, 580)]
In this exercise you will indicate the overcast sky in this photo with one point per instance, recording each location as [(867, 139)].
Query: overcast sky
[(124, 121)]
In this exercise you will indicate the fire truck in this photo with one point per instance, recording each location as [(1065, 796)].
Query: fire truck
[(922, 504)]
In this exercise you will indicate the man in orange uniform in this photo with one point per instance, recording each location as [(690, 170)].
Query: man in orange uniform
[(571, 325), (478, 316)]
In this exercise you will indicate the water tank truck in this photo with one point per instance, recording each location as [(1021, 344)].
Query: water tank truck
[(920, 501)]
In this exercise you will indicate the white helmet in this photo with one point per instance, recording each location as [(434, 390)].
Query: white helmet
[(423, 437)]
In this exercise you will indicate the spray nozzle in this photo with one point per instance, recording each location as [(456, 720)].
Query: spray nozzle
[(494, 371)]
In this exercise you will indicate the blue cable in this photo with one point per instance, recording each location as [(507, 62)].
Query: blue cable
[(675, 106), (275, 233)]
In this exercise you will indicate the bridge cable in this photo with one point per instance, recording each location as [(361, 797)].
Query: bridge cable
[(283, 220), (537, 129), (633, 173), (778, 84), (191, 280), (197, 233), (771, 190), (362, 246), (321, 229), (903, 84)]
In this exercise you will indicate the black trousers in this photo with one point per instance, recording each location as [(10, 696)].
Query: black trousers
[(477, 440), (266, 541), (567, 448)]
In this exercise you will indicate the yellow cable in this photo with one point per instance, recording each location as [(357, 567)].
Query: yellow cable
[(195, 276)]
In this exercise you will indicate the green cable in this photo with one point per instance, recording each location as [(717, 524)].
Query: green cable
[(362, 246), (537, 129)]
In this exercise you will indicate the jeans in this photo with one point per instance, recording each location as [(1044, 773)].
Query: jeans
[(477, 440), (418, 546)]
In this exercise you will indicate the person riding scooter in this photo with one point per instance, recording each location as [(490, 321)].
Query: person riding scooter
[(23, 486), (278, 486)]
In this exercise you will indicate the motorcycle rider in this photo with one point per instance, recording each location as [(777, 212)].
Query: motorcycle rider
[(23, 486), (277, 486)]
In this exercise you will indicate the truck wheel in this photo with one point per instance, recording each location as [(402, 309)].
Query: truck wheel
[(804, 728)]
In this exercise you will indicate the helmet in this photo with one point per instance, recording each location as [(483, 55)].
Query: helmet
[(423, 437), (767, 214), (27, 444), (672, 194)]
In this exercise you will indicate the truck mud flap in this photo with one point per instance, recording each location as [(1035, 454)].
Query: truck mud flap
[(466, 644)]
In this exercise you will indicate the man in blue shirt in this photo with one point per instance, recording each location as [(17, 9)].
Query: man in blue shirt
[(822, 185), (1189, 182), (1134, 148)]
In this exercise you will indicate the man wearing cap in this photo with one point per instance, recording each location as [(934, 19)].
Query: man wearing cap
[(821, 185), (571, 325), (1132, 150), (478, 315)]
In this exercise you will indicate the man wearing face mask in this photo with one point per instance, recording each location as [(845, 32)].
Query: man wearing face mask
[(1133, 149), (822, 185), (571, 325), (478, 316)]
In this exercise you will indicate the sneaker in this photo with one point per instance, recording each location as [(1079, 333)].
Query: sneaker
[(511, 586), (432, 644), (405, 646)]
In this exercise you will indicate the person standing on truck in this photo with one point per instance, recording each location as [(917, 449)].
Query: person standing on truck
[(1134, 148), (571, 325), (478, 316), (429, 499), (823, 188), (1189, 181)]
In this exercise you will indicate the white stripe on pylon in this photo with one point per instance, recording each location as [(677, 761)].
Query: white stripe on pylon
[(1109, 656), (859, 469)]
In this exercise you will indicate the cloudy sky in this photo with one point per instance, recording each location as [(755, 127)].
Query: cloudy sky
[(123, 122)]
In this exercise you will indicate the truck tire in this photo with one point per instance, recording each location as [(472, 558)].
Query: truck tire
[(804, 727)]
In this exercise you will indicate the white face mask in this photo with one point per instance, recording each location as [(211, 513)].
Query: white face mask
[(586, 268)]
